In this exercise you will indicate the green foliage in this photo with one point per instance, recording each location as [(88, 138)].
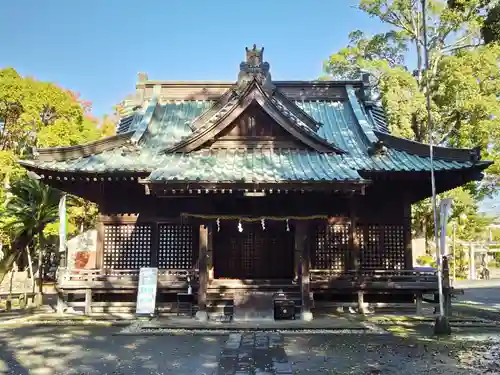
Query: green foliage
[(491, 27), (426, 260), (464, 82), (460, 261), (30, 206), (38, 114), (108, 126)]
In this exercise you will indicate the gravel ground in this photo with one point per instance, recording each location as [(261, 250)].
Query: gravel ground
[(357, 354), (42, 350)]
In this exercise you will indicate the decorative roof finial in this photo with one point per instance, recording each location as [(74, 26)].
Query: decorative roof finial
[(142, 77), (254, 68), (255, 57)]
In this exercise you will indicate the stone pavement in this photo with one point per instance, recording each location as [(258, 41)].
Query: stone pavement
[(258, 353), (330, 323), (79, 350)]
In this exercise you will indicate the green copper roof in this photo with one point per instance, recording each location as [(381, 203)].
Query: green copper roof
[(269, 166), (344, 123)]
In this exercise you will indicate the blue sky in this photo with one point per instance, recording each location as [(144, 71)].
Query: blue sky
[(96, 47)]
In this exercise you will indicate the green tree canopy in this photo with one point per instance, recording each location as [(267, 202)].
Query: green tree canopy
[(38, 114), (463, 78)]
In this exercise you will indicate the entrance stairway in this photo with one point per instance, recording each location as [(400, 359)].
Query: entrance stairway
[(249, 299)]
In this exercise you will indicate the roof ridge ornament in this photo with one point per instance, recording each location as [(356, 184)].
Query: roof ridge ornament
[(255, 69)]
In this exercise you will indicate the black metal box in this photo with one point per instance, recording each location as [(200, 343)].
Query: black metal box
[(284, 308)]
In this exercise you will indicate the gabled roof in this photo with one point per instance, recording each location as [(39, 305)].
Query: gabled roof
[(346, 137), (291, 118)]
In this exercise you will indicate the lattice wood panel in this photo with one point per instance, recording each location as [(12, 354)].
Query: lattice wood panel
[(331, 247), (127, 246), (248, 254), (254, 253), (381, 246), (175, 246), (394, 244)]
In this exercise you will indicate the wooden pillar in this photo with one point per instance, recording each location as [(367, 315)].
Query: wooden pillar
[(356, 252), (154, 244), (210, 253), (355, 257), (88, 301), (407, 235), (61, 305), (100, 244), (302, 245), (203, 274), (446, 286)]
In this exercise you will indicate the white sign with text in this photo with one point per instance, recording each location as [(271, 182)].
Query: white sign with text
[(146, 294)]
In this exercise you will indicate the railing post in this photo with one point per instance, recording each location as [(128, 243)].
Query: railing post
[(446, 286)]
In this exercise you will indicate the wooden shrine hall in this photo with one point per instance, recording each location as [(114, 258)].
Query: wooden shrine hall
[(240, 190)]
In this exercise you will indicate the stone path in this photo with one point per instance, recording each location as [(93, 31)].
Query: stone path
[(84, 350), (258, 353)]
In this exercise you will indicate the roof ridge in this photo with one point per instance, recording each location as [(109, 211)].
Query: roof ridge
[(368, 135), (423, 149), (87, 149), (252, 92), (300, 112), (145, 121)]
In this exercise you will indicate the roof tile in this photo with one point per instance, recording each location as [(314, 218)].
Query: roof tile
[(339, 124)]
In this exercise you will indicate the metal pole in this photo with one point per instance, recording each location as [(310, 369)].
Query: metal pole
[(431, 152), (454, 252)]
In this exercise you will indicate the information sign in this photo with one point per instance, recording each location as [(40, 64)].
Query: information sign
[(146, 294)]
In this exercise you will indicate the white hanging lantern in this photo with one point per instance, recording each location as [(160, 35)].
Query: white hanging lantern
[(287, 226), (218, 225), (240, 227), (263, 223)]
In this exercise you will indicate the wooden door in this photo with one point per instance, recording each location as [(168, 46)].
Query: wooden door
[(254, 253)]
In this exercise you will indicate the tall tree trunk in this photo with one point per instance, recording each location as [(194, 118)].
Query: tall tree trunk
[(7, 262)]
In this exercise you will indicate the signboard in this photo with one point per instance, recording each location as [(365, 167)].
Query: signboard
[(82, 250), (146, 294)]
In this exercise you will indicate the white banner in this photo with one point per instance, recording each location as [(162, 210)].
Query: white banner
[(62, 224), (444, 213)]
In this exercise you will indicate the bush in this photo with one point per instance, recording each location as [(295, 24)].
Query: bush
[(426, 260)]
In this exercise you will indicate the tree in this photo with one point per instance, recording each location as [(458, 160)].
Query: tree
[(108, 126), (491, 28), (37, 114), (463, 78), (31, 206)]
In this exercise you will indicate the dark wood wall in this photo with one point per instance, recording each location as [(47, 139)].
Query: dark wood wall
[(367, 232)]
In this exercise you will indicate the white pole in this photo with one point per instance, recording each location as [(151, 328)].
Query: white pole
[(62, 229), (431, 152), (454, 252)]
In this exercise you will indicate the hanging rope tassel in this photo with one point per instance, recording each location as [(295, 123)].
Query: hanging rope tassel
[(240, 227), (287, 226), (263, 223), (218, 225)]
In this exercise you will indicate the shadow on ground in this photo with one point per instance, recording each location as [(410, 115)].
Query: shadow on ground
[(43, 350)]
